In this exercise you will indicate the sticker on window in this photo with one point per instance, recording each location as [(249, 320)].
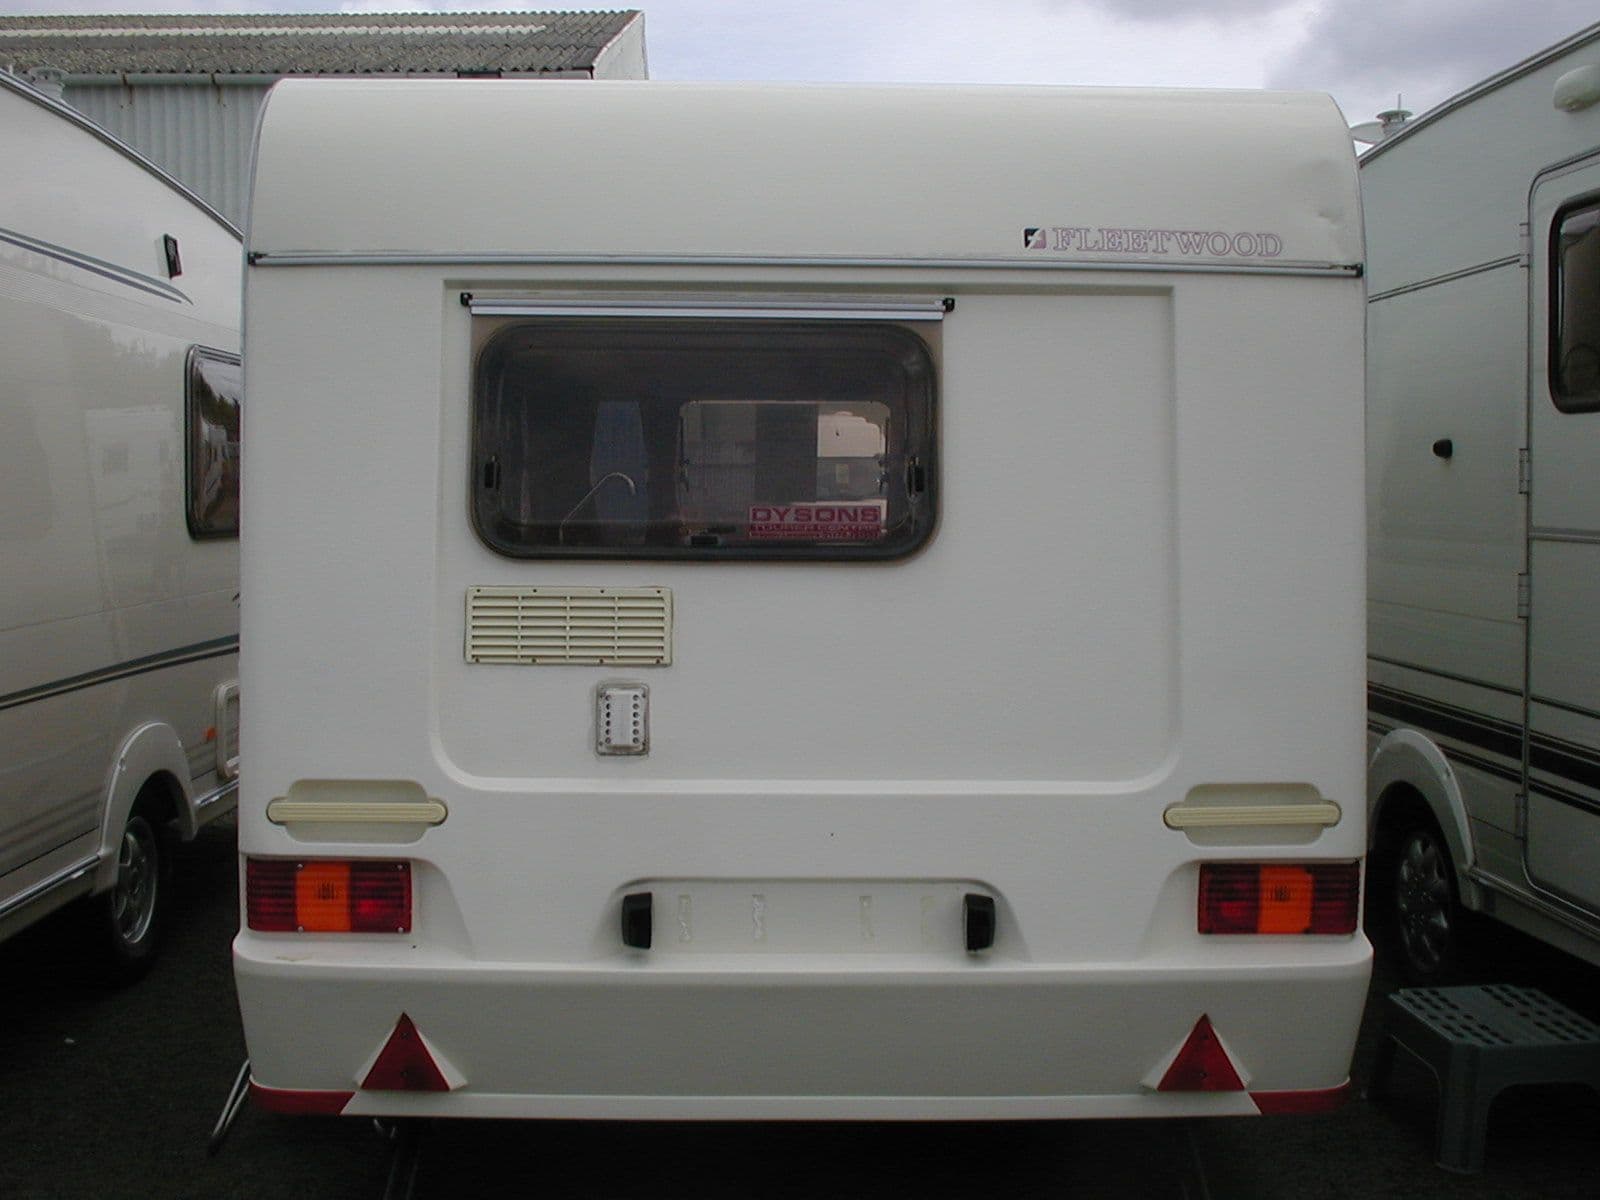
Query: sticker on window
[(818, 522)]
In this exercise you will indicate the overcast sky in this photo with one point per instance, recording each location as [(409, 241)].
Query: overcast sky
[(1363, 52)]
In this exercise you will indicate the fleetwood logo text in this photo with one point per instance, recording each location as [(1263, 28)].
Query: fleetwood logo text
[(1197, 243)]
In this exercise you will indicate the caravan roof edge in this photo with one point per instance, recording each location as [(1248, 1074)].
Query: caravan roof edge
[(1526, 67), (631, 171), (407, 258), (22, 88)]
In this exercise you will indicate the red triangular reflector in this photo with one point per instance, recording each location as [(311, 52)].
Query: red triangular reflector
[(404, 1064), (1202, 1065)]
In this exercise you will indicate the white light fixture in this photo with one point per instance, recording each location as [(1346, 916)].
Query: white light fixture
[(1578, 88)]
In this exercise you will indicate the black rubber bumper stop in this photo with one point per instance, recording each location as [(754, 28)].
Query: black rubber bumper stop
[(636, 920), (977, 921)]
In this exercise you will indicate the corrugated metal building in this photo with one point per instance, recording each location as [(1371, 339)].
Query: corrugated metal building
[(184, 88)]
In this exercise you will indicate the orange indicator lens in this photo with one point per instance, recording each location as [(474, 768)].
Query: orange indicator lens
[(1285, 900), (322, 897)]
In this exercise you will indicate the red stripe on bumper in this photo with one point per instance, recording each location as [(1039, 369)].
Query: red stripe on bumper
[(299, 1104), (1274, 1104)]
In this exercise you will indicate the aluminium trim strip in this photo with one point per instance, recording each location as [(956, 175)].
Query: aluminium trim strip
[(310, 258), (64, 110), (815, 310), (1234, 816), (215, 796), (1576, 710), (1460, 758), (62, 878), (1555, 908), (1551, 533), (1557, 794), (1418, 667), (1448, 277), (98, 266)]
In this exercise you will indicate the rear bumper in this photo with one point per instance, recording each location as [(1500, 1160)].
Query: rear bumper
[(732, 1040)]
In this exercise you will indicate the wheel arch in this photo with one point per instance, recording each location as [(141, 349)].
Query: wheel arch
[(150, 763), (1408, 772)]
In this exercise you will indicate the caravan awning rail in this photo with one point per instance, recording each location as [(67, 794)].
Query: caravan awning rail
[(787, 308)]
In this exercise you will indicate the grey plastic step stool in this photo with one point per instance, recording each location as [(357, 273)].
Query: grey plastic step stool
[(1479, 1041)]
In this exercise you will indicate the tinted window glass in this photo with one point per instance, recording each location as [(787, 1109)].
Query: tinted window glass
[(215, 388), (1575, 311), (674, 438)]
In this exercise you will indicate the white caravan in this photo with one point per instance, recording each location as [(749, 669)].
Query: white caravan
[(119, 429), (1483, 220), (812, 602)]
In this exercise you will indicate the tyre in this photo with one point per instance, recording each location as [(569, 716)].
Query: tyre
[(1413, 889), (132, 915)]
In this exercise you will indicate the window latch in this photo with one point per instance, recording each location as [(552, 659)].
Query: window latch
[(916, 477)]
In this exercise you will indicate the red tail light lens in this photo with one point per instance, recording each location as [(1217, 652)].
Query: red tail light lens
[(327, 896), (1279, 898)]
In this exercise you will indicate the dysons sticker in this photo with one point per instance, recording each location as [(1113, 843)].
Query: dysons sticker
[(861, 522)]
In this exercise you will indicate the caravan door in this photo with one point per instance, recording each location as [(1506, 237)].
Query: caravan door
[(1562, 751)]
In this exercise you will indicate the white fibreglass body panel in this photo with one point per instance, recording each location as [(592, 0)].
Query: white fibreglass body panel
[(1445, 536), (98, 564), (837, 683), (1147, 576), (693, 170)]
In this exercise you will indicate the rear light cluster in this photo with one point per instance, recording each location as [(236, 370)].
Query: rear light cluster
[(327, 895), (1279, 897)]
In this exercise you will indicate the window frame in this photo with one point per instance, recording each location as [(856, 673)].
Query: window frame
[(915, 449), (198, 530), (1564, 401)]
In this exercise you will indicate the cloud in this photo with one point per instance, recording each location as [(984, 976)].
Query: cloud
[(1423, 50), (1163, 11), (1216, 43)]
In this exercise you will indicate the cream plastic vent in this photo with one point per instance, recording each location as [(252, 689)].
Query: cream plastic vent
[(584, 626)]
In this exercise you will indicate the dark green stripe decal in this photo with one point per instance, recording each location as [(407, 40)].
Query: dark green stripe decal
[(1567, 762), (216, 648), (1497, 737)]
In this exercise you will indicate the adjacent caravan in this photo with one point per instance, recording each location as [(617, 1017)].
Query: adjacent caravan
[(119, 454), (807, 602), (1484, 390)]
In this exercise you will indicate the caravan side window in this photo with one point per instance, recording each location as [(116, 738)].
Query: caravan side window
[(665, 438), (215, 386), (1575, 310)]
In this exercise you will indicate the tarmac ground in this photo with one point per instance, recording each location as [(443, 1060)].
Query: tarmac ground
[(113, 1093)]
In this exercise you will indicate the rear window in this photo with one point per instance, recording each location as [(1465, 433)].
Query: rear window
[(662, 438)]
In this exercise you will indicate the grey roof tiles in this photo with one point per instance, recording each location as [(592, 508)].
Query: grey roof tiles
[(348, 43)]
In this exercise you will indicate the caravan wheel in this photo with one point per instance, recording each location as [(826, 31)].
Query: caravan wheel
[(1425, 919), (132, 913)]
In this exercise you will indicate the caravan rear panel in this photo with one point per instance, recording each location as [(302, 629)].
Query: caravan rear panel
[(778, 602)]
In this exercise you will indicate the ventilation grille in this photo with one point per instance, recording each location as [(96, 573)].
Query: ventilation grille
[(537, 626)]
